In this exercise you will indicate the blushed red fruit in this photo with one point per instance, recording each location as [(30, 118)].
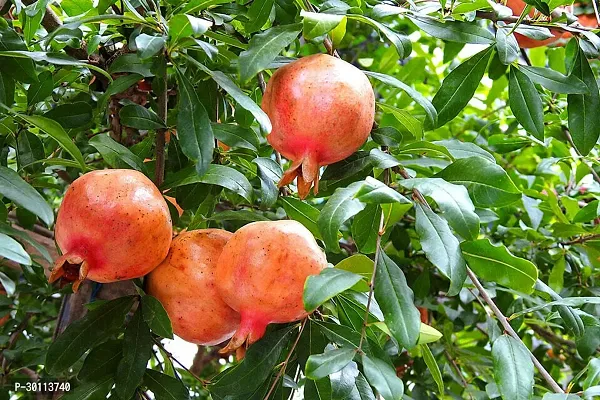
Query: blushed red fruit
[(517, 6), (185, 285), (322, 111), (261, 274), (112, 225)]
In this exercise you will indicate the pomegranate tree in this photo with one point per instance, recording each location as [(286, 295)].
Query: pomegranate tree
[(517, 6), (185, 285), (112, 225), (322, 111), (261, 274)]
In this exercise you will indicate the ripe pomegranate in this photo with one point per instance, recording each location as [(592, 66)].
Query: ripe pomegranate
[(185, 284), (112, 225), (261, 274), (517, 6), (322, 110)]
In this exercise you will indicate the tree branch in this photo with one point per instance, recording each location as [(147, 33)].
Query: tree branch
[(506, 325), (160, 140)]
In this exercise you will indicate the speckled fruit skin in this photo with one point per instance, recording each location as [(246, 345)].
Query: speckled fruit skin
[(517, 6), (185, 285), (112, 225), (322, 111), (261, 274)]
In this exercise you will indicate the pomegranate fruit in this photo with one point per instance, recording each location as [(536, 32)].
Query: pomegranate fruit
[(517, 6), (322, 110), (261, 274), (185, 285), (112, 225)]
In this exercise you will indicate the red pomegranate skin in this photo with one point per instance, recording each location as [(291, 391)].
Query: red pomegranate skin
[(261, 274), (112, 225), (185, 285), (322, 110), (517, 6)]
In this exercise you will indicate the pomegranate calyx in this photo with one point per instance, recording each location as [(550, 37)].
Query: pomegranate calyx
[(307, 172), (69, 268), (250, 331)]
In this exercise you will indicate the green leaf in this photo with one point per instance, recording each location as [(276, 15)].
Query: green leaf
[(365, 228), (25, 237), (406, 120), (593, 374), (269, 172), (433, 367), (513, 368), (165, 387), (584, 118), (507, 46), (258, 15), (71, 115), (459, 86), (396, 301), (588, 213), (236, 136), (318, 24), (383, 378), (487, 183), (219, 175), (525, 103), (183, 25), (329, 283), (341, 206), (102, 361), (85, 333), (115, 153), (256, 367), (140, 117), (320, 366), (91, 390), (361, 265), (156, 317), (12, 250), (240, 97), (264, 47), (119, 85), (137, 350), (40, 90), (148, 46), (30, 149), (555, 81), (194, 130), (454, 202), (428, 107), (56, 131), (7, 90), (497, 264), (428, 334), (441, 247), (372, 191), (458, 149), (454, 31), (302, 212), (401, 43), (19, 191), (129, 63)]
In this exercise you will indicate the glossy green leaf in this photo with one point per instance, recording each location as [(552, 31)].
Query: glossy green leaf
[(513, 369), (258, 14), (184, 25), (555, 81), (584, 119), (236, 136), (507, 46), (164, 386), (156, 317), (433, 367), (91, 390), (454, 31), (319, 24), (71, 115), (264, 47), (115, 153), (102, 361), (383, 378), (194, 129), (525, 103), (361, 265), (454, 202), (330, 282), (19, 191), (487, 183), (40, 90), (302, 212), (54, 130), (441, 247), (12, 250), (396, 301), (148, 46), (497, 264), (269, 172), (140, 117), (593, 374), (320, 366), (459, 86)]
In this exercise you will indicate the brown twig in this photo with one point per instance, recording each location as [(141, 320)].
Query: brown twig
[(456, 368), (515, 18), (170, 355), (570, 140), (163, 99), (287, 360), (582, 239), (506, 325)]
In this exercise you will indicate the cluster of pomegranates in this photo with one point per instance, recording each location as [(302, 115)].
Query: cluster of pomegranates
[(115, 225)]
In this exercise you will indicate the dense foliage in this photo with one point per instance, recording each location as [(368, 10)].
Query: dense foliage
[(483, 163)]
